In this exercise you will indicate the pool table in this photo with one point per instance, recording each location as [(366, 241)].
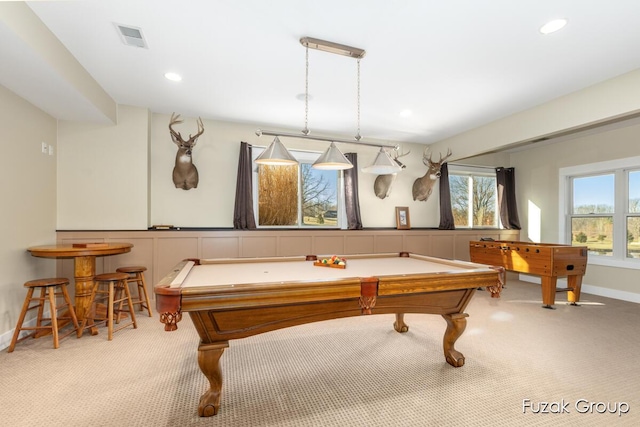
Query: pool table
[(229, 299)]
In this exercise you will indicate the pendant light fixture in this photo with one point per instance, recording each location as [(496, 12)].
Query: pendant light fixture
[(383, 165), (332, 158), (276, 154)]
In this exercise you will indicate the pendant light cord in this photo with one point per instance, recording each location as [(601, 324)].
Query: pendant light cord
[(305, 131), (358, 137)]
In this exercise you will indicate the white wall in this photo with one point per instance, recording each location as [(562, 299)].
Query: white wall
[(103, 173), (537, 172), (28, 194), (216, 157)]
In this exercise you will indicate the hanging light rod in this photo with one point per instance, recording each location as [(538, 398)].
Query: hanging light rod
[(332, 47), (261, 132)]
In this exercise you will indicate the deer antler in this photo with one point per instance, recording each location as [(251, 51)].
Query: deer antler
[(397, 155), (175, 119), (442, 159), (177, 137), (200, 130)]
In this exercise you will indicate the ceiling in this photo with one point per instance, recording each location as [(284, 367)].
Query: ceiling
[(455, 64)]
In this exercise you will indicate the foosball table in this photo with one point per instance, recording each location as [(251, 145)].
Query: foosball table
[(549, 261)]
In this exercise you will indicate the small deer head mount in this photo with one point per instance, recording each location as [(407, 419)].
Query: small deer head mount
[(185, 174), (382, 184), (422, 187)]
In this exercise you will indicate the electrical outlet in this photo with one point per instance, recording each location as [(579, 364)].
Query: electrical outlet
[(45, 149), (51, 150)]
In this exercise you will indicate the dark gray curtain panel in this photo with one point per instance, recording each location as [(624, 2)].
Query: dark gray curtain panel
[(243, 216), (446, 213), (352, 200), (506, 180)]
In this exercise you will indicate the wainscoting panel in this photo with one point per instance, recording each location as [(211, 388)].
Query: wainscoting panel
[(170, 251), (392, 243), (259, 246), (418, 243), (443, 246), (295, 245), (220, 247), (161, 250), (328, 244), (359, 244)]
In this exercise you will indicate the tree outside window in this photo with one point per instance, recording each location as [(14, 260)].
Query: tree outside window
[(297, 196), (593, 209), (473, 199)]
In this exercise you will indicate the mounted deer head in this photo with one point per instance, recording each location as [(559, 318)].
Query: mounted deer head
[(382, 184), (185, 174), (422, 187)]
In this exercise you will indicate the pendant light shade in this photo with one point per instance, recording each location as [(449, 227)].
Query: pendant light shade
[(276, 154), (383, 165), (332, 159)]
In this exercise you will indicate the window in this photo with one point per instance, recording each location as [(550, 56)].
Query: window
[(601, 205), (473, 196), (297, 196), (633, 215), (592, 212)]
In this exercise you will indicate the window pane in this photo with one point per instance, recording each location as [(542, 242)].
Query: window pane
[(593, 194), (277, 195), (484, 201), (459, 188), (634, 192), (633, 237), (319, 196), (596, 232)]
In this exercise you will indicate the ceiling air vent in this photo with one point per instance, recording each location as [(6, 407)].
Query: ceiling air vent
[(131, 36)]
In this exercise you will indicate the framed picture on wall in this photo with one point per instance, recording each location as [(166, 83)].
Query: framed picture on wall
[(402, 218)]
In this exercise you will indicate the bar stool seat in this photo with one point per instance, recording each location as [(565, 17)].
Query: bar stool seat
[(136, 275), (50, 290), (111, 288)]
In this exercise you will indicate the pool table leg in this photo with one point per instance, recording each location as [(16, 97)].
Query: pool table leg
[(209, 362), (456, 324), (399, 324)]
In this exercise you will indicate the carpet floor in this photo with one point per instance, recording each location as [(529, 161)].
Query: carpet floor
[(581, 361)]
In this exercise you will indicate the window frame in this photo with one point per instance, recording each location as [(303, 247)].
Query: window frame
[(479, 171), (620, 168), (302, 156)]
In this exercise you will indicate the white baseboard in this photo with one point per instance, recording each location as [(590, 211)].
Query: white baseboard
[(589, 289), (5, 339)]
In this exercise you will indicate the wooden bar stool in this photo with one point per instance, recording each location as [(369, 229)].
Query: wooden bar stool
[(108, 289), (50, 290), (136, 275)]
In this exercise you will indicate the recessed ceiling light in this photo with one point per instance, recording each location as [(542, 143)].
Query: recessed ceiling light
[(174, 77), (553, 26), (406, 113)]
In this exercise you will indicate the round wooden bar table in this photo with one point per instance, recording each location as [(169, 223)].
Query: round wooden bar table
[(84, 261)]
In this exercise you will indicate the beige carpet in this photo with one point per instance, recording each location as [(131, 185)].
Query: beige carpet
[(349, 372)]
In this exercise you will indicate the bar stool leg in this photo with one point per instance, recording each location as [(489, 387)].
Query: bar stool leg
[(23, 313), (72, 311), (53, 314), (110, 312), (142, 284), (130, 303)]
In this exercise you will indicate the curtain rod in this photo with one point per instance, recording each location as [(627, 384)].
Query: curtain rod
[(260, 132)]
